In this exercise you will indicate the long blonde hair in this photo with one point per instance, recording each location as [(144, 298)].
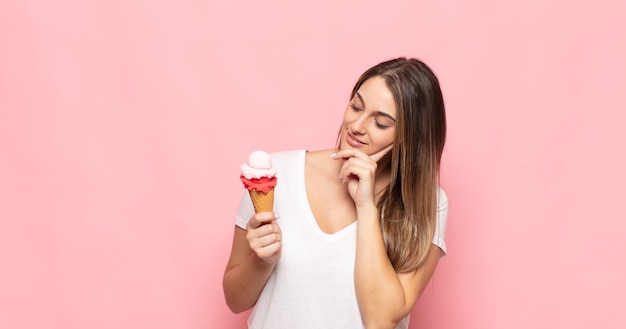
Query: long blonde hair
[(408, 206)]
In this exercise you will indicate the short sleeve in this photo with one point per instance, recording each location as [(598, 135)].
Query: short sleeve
[(442, 220), (245, 211)]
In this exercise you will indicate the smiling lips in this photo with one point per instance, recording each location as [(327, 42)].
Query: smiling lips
[(353, 141)]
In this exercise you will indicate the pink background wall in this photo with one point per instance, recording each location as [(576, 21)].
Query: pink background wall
[(121, 133)]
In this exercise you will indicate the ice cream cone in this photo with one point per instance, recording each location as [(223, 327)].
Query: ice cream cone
[(262, 202), (258, 175)]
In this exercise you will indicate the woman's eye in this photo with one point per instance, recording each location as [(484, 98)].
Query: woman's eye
[(355, 108), (380, 125)]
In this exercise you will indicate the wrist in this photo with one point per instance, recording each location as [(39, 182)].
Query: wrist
[(367, 211), (260, 264)]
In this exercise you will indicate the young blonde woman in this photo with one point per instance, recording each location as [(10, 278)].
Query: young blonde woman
[(357, 230)]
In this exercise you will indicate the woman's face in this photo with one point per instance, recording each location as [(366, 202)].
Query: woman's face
[(369, 122)]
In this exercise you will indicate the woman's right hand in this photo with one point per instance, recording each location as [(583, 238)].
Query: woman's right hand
[(264, 237), (254, 254)]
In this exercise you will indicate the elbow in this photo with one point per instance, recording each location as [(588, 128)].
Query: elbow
[(237, 306), (383, 316), (236, 302), (233, 307), (380, 323), (386, 319)]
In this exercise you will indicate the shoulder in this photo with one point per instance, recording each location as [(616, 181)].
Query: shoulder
[(319, 156), (288, 161), (320, 162), (286, 155), (300, 154)]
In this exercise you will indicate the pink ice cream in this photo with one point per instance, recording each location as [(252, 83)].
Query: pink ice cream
[(258, 173)]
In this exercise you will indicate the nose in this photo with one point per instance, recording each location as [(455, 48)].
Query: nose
[(359, 125)]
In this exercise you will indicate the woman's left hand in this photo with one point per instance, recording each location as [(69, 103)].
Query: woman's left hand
[(359, 172)]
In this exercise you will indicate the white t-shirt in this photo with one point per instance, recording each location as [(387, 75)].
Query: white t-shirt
[(312, 285)]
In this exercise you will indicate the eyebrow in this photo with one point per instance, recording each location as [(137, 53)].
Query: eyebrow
[(377, 112)]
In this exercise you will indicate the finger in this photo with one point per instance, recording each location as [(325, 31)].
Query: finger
[(265, 240), (352, 161), (349, 153), (269, 229), (261, 218), (380, 154), (356, 153), (263, 230), (357, 165), (269, 251)]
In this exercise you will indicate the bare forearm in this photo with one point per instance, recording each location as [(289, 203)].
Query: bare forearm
[(379, 291), (243, 283)]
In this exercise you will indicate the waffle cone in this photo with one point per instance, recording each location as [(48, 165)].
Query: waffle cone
[(263, 202)]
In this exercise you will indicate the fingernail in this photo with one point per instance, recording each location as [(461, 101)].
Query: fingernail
[(333, 155)]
